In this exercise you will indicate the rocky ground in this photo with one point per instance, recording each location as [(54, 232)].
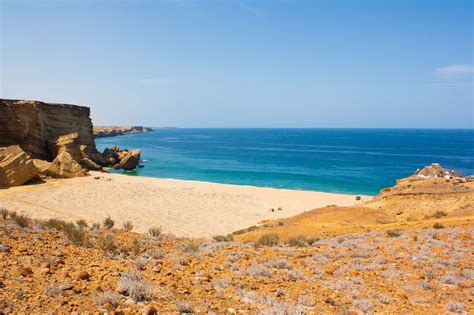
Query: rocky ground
[(56, 266)]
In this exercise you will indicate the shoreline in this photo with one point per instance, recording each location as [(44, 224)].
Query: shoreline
[(181, 207), (246, 185)]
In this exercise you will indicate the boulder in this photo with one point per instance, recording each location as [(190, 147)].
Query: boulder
[(436, 171), (64, 166), (16, 167), (90, 165), (42, 166), (98, 158), (130, 161)]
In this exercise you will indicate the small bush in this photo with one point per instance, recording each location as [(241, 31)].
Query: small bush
[(132, 284), (249, 229), (82, 223), (271, 239), (12, 214), (75, 234), (279, 263), (294, 275), (107, 298), (4, 212), (298, 241), (106, 243), (136, 247), (128, 226), (439, 214), (95, 226), (108, 223), (184, 307), (140, 263), (224, 238), (22, 220), (394, 233), (258, 271), (55, 224), (438, 226), (155, 231), (455, 307)]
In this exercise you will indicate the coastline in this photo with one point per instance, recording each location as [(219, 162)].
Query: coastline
[(181, 207)]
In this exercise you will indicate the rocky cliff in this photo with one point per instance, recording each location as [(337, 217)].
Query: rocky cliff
[(37, 126), (52, 140), (112, 131)]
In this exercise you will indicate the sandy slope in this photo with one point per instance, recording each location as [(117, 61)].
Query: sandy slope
[(184, 208)]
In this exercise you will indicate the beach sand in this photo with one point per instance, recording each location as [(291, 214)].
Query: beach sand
[(183, 208)]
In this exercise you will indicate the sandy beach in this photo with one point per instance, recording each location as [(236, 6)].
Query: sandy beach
[(184, 208)]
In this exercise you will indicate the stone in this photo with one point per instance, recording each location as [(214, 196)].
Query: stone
[(16, 167), (130, 161), (26, 271), (98, 158), (64, 166), (84, 275), (90, 165)]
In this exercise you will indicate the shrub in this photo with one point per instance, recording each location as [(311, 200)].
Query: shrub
[(4, 213), (439, 214), (394, 233), (55, 224), (22, 220), (258, 271), (364, 305), (108, 223), (107, 298), (128, 226), (13, 214), (136, 247), (155, 231), (278, 263), (82, 223), (184, 307), (298, 241), (224, 238), (438, 226), (140, 263), (455, 307), (75, 234), (95, 226), (294, 275), (271, 239), (132, 284), (106, 243), (249, 229)]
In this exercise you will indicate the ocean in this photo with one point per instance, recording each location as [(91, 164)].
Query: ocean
[(358, 161)]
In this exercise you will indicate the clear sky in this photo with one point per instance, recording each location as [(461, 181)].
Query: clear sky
[(380, 63)]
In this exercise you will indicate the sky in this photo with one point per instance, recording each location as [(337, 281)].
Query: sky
[(298, 64)]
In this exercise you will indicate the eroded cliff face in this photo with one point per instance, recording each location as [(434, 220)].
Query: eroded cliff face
[(39, 128)]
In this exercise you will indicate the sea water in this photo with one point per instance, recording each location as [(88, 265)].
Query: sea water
[(360, 161)]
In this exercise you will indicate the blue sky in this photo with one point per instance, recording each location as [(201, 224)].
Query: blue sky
[(185, 63)]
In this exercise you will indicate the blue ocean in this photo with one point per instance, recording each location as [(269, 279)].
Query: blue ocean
[(360, 161)]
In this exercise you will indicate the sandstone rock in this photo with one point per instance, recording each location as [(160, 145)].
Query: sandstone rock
[(16, 167), (130, 161), (435, 170), (42, 166), (98, 158), (36, 126), (26, 271), (64, 166), (90, 165), (84, 275)]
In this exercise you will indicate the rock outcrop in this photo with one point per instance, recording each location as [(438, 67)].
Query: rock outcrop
[(16, 167), (42, 129), (52, 140), (112, 131)]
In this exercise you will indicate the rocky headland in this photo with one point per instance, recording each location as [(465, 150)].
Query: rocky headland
[(113, 131), (44, 140)]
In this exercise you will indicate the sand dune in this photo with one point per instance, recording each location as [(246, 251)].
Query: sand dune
[(184, 208)]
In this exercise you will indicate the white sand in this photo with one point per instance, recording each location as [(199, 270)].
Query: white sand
[(184, 208)]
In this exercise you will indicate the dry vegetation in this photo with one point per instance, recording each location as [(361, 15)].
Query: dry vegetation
[(368, 259)]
